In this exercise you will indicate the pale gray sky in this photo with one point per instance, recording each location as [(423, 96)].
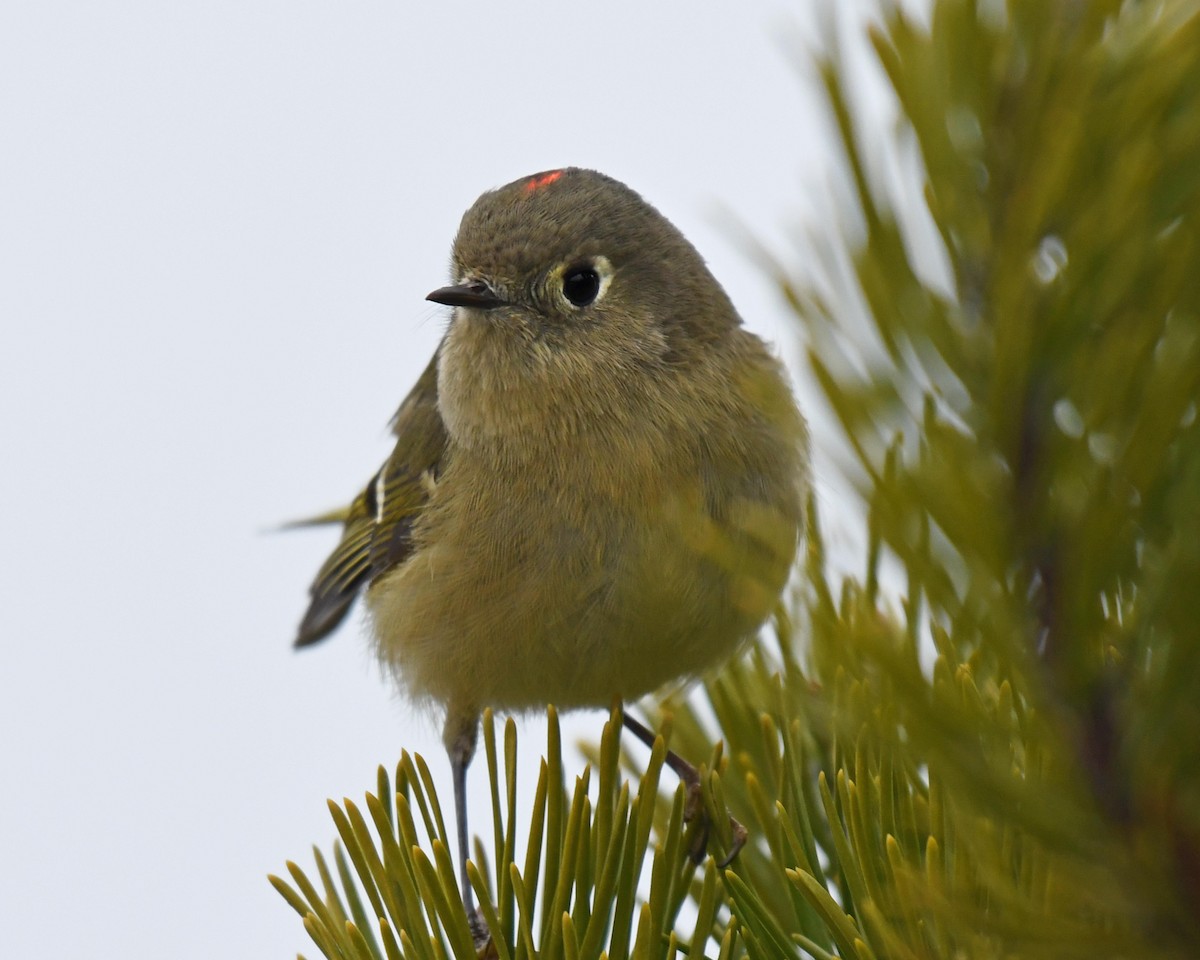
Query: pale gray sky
[(218, 222)]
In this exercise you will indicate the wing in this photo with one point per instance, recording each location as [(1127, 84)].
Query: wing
[(377, 531)]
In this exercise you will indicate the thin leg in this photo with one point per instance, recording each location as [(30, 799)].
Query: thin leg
[(458, 767), (683, 770), (690, 778), (461, 733)]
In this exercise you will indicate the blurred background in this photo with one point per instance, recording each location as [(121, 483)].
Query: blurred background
[(218, 223)]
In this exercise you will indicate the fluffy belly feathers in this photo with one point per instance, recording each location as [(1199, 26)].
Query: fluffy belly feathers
[(676, 587)]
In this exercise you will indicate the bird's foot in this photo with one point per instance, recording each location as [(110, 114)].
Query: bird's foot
[(485, 949), (694, 812)]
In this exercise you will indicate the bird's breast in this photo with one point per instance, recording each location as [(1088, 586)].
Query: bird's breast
[(573, 586)]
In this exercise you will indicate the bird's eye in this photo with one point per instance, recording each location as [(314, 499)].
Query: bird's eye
[(581, 285)]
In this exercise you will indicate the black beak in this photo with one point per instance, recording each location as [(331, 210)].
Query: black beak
[(475, 294)]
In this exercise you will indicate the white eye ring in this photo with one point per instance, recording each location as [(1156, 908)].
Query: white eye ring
[(583, 283)]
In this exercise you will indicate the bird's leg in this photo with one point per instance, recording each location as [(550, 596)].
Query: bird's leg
[(694, 808), (461, 734)]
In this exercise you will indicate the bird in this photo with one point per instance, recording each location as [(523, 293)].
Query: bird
[(598, 483)]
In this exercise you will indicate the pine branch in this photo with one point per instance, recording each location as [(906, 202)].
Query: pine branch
[(573, 894)]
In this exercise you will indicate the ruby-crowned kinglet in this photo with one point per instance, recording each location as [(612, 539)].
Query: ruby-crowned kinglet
[(598, 482)]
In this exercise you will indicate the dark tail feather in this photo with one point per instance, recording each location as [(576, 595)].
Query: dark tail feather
[(325, 614)]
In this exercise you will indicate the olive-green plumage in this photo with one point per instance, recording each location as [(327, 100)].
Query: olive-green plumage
[(598, 483)]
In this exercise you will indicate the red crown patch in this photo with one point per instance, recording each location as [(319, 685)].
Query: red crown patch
[(542, 180)]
